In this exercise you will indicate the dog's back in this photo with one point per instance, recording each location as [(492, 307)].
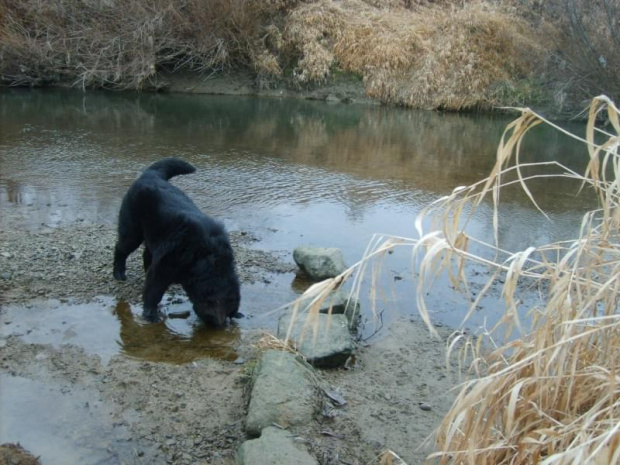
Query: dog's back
[(157, 204)]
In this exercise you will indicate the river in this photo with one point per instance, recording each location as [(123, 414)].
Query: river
[(288, 171)]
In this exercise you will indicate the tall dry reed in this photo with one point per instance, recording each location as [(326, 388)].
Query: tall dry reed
[(546, 388), (551, 393)]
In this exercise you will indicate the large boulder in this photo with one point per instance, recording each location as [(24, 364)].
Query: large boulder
[(324, 340), (274, 447), (319, 263), (283, 392)]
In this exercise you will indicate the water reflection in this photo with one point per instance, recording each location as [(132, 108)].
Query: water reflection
[(254, 150), (106, 328), (174, 340), (60, 428)]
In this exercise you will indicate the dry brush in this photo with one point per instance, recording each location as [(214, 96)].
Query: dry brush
[(543, 385), (450, 54)]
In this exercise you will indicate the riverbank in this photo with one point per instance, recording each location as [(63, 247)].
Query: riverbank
[(430, 55), (345, 89)]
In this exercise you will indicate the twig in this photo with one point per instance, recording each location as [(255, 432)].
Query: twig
[(378, 329)]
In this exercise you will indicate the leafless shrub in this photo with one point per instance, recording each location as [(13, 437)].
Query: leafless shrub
[(591, 44), (122, 44)]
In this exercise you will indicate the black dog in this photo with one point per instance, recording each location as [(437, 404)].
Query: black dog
[(182, 245)]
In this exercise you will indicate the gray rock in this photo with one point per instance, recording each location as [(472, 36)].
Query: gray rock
[(283, 392), (274, 447), (319, 263), (330, 347), (340, 304)]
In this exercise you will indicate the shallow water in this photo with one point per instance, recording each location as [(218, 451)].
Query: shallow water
[(59, 424), (290, 172), (105, 327)]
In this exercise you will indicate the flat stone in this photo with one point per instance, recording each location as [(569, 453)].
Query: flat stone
[(283, 392), (274, 447), (330, 347), (319, 263), (340, 304)]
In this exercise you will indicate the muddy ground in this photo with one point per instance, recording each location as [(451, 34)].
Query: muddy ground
[(69, 403)]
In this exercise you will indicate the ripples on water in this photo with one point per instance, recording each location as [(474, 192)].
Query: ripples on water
[(289, 171)]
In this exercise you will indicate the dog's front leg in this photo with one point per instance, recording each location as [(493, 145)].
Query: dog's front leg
[(157, 281), (147, 258)]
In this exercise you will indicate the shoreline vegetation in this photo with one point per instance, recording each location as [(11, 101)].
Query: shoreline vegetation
[(450, 55), (542, 384)]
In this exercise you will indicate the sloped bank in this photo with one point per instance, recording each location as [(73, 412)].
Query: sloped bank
[(439, 55)]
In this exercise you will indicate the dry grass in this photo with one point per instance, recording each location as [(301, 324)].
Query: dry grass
[(425, 57), (448, 54), (550, 393), (122, 44), (271, 342)]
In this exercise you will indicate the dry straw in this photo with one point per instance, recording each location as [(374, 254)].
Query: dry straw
[(444, 56), (448, 54), (550, 393)]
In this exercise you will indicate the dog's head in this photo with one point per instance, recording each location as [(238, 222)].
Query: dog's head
[(216, 301), (215, 312)]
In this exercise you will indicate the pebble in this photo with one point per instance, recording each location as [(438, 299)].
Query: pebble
[(6, 276), (424, 406)]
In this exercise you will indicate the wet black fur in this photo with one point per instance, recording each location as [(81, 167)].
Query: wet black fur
[(182, 245)]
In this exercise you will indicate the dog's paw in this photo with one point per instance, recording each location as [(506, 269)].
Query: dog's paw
[(120, 276), (151, 316), (238, 316)]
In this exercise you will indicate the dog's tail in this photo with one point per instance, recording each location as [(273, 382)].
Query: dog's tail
[(170, 167)]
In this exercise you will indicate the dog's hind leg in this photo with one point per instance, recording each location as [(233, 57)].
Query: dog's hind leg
[(129, 239), (122, 250), (157, 281)]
